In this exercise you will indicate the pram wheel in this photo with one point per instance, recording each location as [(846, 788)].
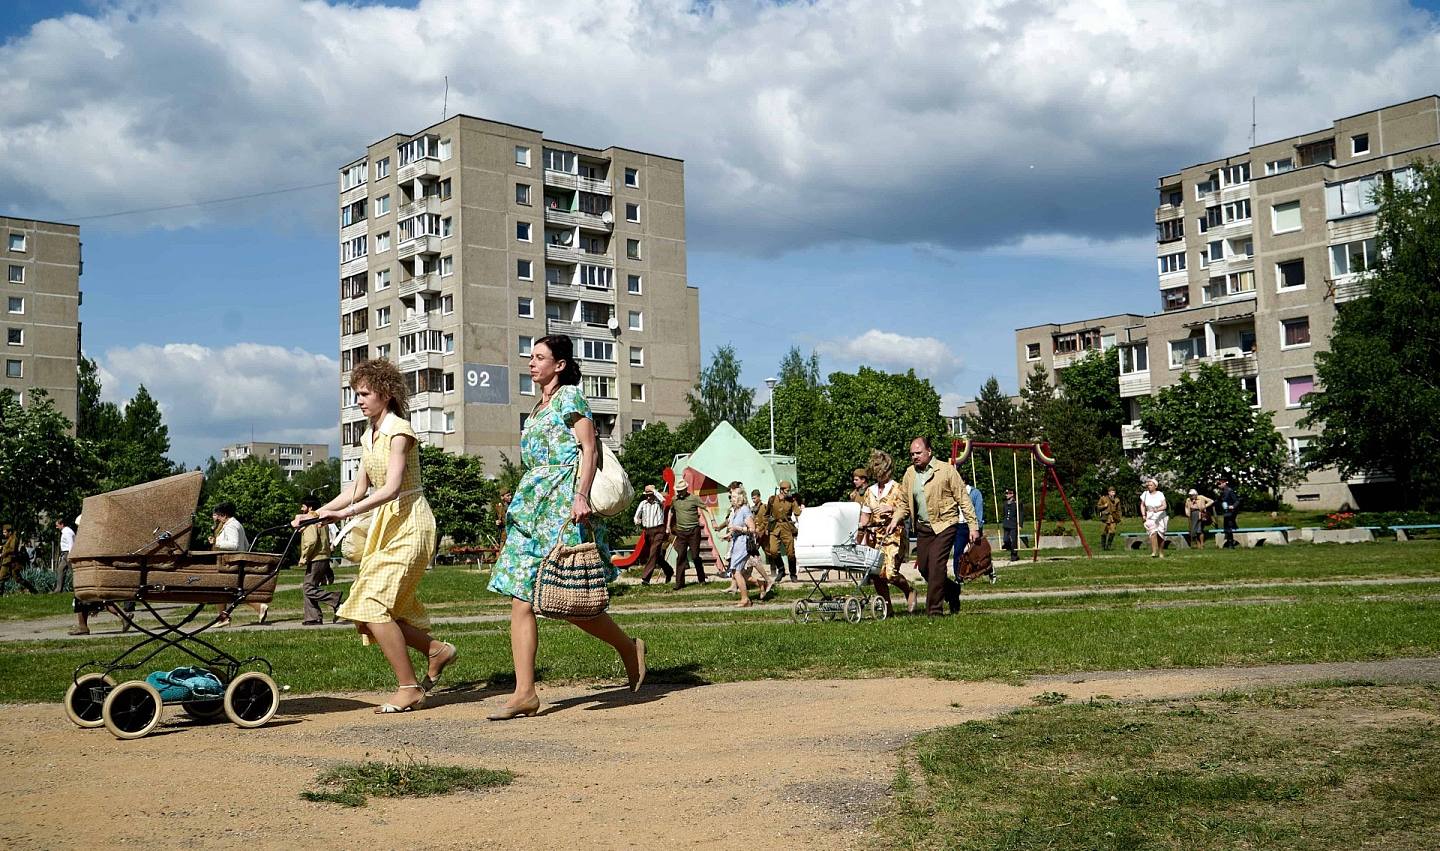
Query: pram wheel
[(251, 699), (204, 710), (132, 709), (879, 609), (83, 706), (801, 612), (854, 611)]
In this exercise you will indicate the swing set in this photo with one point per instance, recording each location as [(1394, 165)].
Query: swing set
[(963, 451)]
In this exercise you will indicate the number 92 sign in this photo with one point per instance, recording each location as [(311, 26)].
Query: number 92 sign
[(486, 384)]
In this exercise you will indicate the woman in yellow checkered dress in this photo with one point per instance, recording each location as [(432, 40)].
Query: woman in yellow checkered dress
[(401, 538)]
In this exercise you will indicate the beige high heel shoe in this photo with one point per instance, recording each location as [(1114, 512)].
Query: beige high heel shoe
[(505, 713)]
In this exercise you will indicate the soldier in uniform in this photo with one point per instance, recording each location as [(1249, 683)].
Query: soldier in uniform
[(780, 513), (861, 480), (1107, 508), (12, 565)]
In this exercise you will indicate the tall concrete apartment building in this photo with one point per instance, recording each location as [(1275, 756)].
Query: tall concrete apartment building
[(1255, 253), (464, 243), (293, 458), (42, 310)]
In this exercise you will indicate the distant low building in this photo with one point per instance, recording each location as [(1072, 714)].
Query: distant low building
[(293, 458)]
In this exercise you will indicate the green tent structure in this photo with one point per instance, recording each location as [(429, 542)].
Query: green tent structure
[(724, 457)]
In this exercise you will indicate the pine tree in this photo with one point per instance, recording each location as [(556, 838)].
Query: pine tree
[(994, 420)]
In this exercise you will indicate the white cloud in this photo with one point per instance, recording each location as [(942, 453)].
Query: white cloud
[(215, 397), (961, 124), (886, 350)]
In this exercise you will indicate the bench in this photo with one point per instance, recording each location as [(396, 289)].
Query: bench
[(1403, 530), (1140, 540), (1257, 536)]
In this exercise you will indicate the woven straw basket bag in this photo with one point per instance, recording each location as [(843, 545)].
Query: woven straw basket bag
[(571, 582)]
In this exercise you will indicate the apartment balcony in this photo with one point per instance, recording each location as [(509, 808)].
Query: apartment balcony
[(566, 180), (1132, 437), (1166, 212), (415, 208), (418, 246), (350, 305), (357, 266), (350, 341), (349, 453), (563, 326), (604, 406), (421, 360), (598, 187), (555, 216), (1349, 288), (575, 292), (1353, 229), (426, 167), (563, 253), (351, 414), (1135, 384), (419, 322), (611, 441), (598, 367), (1064, 359), (421, 401), (596, 221), (420, 284), (359, 228), (1236, 365), (596, 258)]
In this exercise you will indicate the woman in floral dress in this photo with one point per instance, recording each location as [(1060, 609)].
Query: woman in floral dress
[(559, 451), (401, 538), (882, 499)]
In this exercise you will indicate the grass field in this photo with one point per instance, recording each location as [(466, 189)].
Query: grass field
[(1328, 766)]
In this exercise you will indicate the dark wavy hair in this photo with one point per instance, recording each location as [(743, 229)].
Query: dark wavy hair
[(561, 348)]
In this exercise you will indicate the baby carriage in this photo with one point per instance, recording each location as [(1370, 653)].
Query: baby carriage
[(859, 564), (133, 547)]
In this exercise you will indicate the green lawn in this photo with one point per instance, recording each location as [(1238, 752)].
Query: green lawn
[(1330, 766)]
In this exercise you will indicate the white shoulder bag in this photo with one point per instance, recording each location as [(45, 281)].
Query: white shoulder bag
[(610, 490)]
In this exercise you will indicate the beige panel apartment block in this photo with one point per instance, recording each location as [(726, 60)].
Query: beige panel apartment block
[(471, 239), (293, 458), (1255, 251), (42, 310), (1056, 346)]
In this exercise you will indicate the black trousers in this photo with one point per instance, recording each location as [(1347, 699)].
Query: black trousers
[(932, 559), (1230, 525), (1010, 540)]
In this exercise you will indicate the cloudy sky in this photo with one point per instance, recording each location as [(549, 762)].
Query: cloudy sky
[(895, 182)]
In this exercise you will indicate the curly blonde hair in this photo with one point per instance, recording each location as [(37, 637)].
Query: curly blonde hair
[(880, 466), (383, 377)]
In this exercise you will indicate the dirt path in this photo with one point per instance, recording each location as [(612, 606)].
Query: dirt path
[(105, 626), (807, 768)]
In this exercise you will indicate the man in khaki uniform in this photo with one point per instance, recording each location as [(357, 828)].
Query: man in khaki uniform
[(1108, 509), (861, 480), (12, 564), (937, 502), (315, 559), (780, 513), (686, 515)]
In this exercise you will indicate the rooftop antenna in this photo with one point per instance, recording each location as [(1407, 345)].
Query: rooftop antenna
[(445, 101), (1252, 121)]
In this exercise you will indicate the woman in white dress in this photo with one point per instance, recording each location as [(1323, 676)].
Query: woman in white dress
[(1157, 516)]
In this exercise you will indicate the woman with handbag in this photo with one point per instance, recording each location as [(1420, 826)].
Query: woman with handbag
[(548, 518), (400, 539), (740, 529)]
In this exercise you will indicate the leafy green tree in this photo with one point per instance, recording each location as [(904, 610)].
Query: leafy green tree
[(1087, 458), (1093, 382), (1203, 426), (1036, 396), (868, 410), (321, 480), (264, 498), (647, 453), (510, 472), (1380, 403), (798, 370), (459, 495), (94, 420), (720, 397), (994, 420), (44, 472), (136, 453)]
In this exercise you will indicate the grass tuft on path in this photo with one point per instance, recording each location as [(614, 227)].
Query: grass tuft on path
[(349, 783), (1328, 766)]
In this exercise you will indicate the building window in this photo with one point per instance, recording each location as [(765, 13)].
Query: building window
[(1359, 144), (425, 147), (597, 387), (353, 176), (382, 241), (1235, 175), (524, 418), (1170, 230), (637, 356), (1352, 197), (522, 156), (15, 304), (1134, 359), (597, 277), (637, 320), (522, 193), (382, 205), (382, 317), (1175, 298), (1299, 446), (449, 422), (445, 149), (446, 226), (522, 231), (637, 392), (1279, 166), (527, 385), (1295, 332), (14, 336), (1290, 275), (449, 382), (632, 284), (13, 369), (350, 249), (1352, 258), (1235, 211), (1250, 386), (1297, 388), (525, 307), (382, 167), (17, 242), (382, 280), (637, 425), (525, 270), (1186, 349), (382, 351), (632, 178), (563, 161), (1032, 351), (1210, 184), (447, 305), (448, 344), (1170, 263), (632, 212), (1285, 217), (601, 350), (632, 249)]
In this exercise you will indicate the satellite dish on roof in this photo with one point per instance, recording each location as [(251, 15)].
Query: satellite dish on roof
[(607, 218), (613, 324), (566, 238)]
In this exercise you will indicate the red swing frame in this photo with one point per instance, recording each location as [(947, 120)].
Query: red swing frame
[(960, 453)]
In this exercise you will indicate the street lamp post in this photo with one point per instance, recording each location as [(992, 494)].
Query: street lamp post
[(771, 382)]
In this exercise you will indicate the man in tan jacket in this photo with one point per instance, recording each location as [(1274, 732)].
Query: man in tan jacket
[(937, 503)]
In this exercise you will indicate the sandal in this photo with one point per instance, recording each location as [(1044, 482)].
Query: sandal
[(389, 708), (428, 682), (507, 712)]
